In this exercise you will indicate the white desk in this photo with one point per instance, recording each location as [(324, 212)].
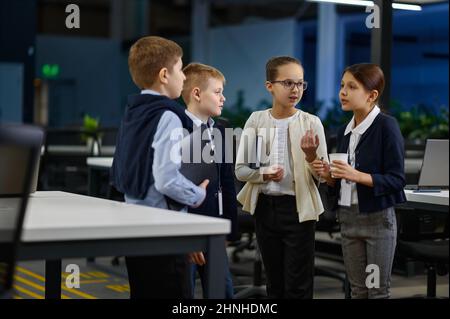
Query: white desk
[(78, 150), (102, 162), (64, 216), (430, 201), (61, 225)]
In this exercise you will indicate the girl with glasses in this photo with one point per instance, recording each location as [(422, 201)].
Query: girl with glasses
[(274, 158)]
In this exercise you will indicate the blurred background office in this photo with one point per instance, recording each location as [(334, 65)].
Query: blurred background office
[(74, 81), (63, 77), (54, 76)]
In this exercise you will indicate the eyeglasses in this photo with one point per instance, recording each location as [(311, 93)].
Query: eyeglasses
[(289, 84)]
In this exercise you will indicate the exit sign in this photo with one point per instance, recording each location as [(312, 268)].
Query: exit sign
[(50, 70)]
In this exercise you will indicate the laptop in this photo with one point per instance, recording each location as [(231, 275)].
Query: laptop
[(11, 179), (434, 171)]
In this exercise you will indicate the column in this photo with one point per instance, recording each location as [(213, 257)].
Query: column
[(326, 56)]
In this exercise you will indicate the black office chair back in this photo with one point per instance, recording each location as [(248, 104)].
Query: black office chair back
[(108, 135), (19, 149), (67, 136)]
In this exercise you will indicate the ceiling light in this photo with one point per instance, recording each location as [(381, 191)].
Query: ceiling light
[(401, 6)]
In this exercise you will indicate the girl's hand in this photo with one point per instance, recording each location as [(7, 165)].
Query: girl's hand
[(340, 169), (309, 144), (275, 175), (321, 168)]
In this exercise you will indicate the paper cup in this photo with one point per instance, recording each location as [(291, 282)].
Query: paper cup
[(270, 169), (337, 157)]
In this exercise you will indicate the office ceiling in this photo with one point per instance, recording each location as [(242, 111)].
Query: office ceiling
[(173, 17)]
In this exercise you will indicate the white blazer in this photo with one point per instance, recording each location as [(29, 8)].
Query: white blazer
[(309, 204)]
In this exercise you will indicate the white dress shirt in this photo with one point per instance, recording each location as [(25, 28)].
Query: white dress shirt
[(348, 193), (198, 122), (168, 180), (280, 155)]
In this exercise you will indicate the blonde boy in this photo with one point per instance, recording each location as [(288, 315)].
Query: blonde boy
[(203, 95)]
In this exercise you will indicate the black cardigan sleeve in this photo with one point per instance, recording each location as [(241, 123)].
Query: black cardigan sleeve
[(393, 178)]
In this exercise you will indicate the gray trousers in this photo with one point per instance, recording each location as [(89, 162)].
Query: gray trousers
[(368, 247)]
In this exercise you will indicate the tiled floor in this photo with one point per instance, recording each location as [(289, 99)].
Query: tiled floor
[(103, 280), (97, 280)]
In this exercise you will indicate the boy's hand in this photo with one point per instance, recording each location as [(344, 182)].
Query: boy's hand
[(197, 258), (203, 185)]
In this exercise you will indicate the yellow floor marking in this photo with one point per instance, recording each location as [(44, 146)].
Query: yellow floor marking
[(27, 292), (63, 287), (88, 275), (97, 274), (119, 288), (30, 273), (98, 281), (35, 286)]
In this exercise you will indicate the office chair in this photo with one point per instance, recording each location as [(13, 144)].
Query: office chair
[(246, 227), (247, 235), (19, 145), (433, 253), (328, 224), (63, 164), (418, 244), (257, 289)]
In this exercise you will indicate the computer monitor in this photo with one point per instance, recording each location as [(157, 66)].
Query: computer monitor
[(434, 171)]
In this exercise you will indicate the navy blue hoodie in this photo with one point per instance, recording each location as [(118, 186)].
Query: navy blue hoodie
[(131, 172)]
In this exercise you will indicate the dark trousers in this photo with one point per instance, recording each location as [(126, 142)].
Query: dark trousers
[(287, 247), (159, 277)]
